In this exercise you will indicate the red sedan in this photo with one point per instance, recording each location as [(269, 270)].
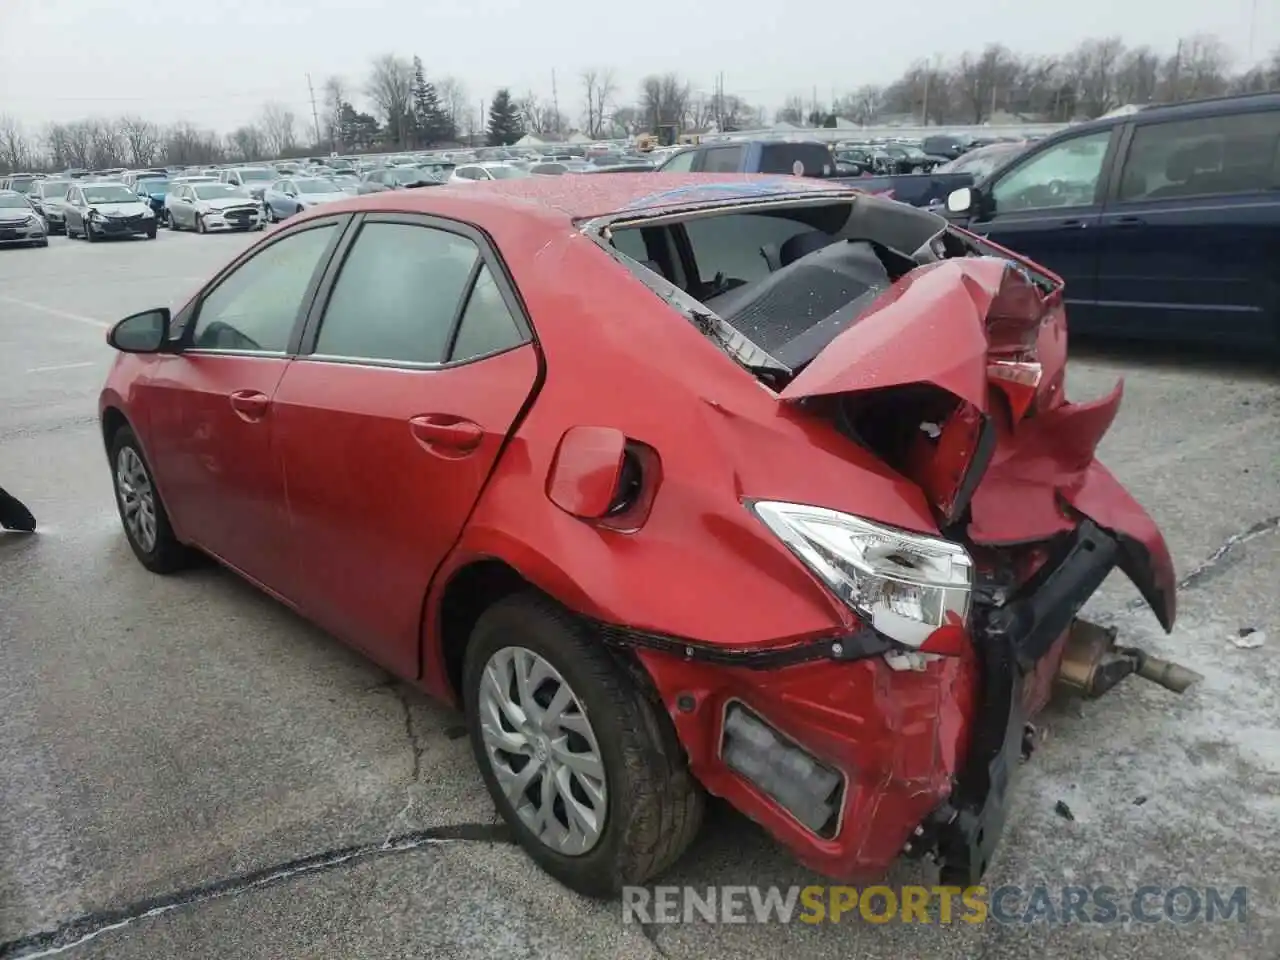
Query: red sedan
[(673, 483)]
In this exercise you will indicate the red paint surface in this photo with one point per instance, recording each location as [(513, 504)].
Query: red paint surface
[(337, 504)]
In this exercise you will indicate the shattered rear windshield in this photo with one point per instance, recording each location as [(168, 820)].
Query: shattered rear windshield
[(786, 279)]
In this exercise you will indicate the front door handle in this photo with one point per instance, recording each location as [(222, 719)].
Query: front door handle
[(438, 430), (1129, 222), (1073, 224), (250, 404)]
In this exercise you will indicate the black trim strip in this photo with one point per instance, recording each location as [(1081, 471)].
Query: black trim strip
[(858, 645)]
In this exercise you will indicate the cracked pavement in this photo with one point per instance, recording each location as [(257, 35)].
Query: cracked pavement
[(192, 771)]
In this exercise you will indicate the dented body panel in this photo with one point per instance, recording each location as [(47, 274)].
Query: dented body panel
[(704, 601)]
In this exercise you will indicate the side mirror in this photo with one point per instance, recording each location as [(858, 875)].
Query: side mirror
[(144, 332), (960, 201)]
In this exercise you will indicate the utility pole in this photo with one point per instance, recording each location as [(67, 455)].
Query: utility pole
[(924, 112), (315, 114), (815, 102), (555, 101), (480, 128), (1253, 28)]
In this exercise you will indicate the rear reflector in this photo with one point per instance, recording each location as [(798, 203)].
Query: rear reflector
[(810, 791)]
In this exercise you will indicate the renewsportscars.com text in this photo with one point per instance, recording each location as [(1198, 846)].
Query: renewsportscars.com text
[(941, 905)]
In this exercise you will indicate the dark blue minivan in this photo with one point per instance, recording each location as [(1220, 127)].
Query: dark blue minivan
[(1164, 222)]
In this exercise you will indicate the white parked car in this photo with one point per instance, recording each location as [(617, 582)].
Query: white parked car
[(474, 172), (212, 206)]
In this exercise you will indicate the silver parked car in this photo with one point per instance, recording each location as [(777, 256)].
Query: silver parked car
[(20, 224), (212, 206), (99, 210)]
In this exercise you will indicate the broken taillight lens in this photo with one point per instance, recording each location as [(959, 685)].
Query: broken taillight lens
[(906, 585)]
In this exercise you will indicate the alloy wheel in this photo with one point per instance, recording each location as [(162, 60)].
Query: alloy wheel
[(137, 498), (542, 750)]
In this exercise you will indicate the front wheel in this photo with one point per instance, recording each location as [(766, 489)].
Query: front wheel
[(151, 232), (200, 227), (583, 766), (143, 515), (88, 230)]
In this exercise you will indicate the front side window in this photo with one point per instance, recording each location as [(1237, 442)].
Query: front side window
[(1208, 156), (256, 306), (1063, 175), (680, 162), (397, 295)]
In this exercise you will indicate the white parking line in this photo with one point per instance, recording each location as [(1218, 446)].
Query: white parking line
[(64, 366), (78, 318)]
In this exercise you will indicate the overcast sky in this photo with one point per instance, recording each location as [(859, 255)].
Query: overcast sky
[(215, 62)]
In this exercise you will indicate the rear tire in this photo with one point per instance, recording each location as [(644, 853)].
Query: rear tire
[(646, 807), (142, 514)]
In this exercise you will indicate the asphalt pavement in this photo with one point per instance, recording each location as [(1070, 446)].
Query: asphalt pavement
[(189, 770)]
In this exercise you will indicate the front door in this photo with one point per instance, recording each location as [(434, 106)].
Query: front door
[(212, 420), (389, 426), (1048, 208)]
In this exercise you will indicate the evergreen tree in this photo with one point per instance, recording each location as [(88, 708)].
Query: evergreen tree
[(430, 124), (505, 125)]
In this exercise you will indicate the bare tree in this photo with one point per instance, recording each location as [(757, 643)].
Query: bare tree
[(187, 144), (791, 111), (16, 151), (390, 88), (58, 144), (248, 143), (862, 106), (335, 95), (278, 129), (701, 113), (453, 101), (599, 87), (107, 144), (665, 99), (143, 139), (1198, 68), (80, 143)]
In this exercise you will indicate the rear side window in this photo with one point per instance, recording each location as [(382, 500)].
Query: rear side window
[(681, 162), (487, 325), (1208, 156), (796, 159), (722, 159), (397, 294)]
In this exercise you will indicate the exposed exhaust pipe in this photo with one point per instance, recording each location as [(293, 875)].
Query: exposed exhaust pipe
[(1092, 663)]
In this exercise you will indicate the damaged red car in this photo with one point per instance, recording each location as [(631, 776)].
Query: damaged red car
[(675, 484)]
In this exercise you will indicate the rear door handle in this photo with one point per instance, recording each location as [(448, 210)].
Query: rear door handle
[(250, 404), (1129, 222), (438, 430), (1073, 224)]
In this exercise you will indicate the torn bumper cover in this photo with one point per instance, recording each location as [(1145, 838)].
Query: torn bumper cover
[(922, 759)]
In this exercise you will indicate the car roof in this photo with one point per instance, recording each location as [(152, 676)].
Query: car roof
[(563, 200)]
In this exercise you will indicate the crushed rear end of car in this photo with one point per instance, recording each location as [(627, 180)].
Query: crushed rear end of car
[(900, 729)]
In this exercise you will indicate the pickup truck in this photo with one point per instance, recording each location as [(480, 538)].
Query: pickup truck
[(811, 158)]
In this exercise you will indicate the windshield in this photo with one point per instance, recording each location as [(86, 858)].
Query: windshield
[(21, 186), (52, 188), (11, 200), (153, 186), (317, 186), (257, 175), (507, 173), (913, 152), (981, 163), (407, 175), (214, 191), (109, 193)]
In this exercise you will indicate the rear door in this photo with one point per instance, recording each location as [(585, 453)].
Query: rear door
[(1190, 239), (1047, 207), (416, 364)]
